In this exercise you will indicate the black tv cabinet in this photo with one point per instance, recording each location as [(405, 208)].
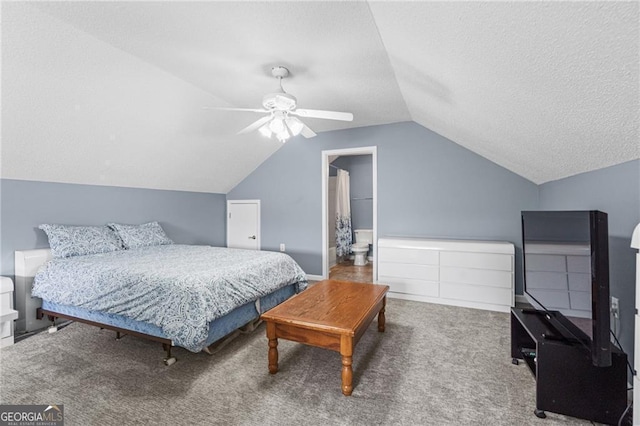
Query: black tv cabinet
[(566, 380)]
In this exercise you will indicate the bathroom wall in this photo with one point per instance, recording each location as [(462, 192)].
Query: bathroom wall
[(360, 168), (331, 218), (331, 209)]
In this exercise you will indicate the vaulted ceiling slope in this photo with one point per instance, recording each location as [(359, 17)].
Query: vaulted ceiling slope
[(544, 89)]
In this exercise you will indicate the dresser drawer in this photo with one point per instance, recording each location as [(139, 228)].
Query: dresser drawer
[(410, 286), (473, 293), (408, 270), (480, 277), (401, 255), (500, 262)]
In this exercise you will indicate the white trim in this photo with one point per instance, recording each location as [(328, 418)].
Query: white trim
[(258, 236), (468, 246), (450, 302), (332, 257), (365, 150), (314, 277)]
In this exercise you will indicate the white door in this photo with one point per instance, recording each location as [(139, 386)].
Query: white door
[(243, 224)]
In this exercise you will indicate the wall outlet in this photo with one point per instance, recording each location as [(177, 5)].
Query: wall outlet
[(282, 247), (615, 307)]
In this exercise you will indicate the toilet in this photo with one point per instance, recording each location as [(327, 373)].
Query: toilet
[(360, 248)]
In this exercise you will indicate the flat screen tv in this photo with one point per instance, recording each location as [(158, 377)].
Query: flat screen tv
[(566, 270)]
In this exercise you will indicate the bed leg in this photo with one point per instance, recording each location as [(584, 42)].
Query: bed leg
[(52, 328), (118, 335), (169, 359)]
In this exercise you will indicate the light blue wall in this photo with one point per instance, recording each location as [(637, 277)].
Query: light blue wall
[(616, 191), (187, 217), (427, 186)]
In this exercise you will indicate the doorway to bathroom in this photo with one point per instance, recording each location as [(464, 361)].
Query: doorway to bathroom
[(353, 214)]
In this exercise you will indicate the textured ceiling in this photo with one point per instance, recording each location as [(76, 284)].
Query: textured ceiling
[(545, 89)]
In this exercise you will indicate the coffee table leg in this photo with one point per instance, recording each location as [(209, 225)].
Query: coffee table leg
[(346, 350), (273, 347), (381, 318)]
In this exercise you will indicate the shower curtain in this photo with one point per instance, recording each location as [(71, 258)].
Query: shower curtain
[(343, 215)]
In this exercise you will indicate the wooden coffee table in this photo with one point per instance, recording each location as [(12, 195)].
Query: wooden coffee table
[(331, 315)]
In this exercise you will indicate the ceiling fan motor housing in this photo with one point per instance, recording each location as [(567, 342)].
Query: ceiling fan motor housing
[(279, 101)]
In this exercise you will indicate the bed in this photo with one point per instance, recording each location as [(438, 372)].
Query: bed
[(178, 295)]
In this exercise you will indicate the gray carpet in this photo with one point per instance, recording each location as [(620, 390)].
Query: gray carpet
[(434, 365)]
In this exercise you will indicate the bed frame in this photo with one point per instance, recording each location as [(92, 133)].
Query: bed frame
[(120, 332), (221, 331)]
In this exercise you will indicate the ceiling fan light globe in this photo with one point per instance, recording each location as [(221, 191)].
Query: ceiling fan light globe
[(294, 125), (265, 131), (276, 125)]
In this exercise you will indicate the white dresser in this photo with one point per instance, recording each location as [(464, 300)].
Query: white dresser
[(469, 273)]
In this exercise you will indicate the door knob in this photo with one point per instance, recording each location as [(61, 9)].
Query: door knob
[(253, 237)]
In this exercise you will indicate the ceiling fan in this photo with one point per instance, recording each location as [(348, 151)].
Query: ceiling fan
[(282, 119)]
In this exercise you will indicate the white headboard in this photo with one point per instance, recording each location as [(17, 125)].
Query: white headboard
[(27, 263)]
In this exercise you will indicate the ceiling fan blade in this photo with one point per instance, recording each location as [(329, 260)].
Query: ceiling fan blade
[(237, 109), (316, 113), (307, 132), (255, 125)]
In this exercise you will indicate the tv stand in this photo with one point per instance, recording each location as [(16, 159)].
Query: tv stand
[(566, 380)]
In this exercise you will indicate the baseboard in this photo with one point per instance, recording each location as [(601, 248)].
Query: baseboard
[(315, 277), (369, 258), (450, 302)]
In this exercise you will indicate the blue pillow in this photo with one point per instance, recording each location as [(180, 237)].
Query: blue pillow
[(147, 234), (67, 240)]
